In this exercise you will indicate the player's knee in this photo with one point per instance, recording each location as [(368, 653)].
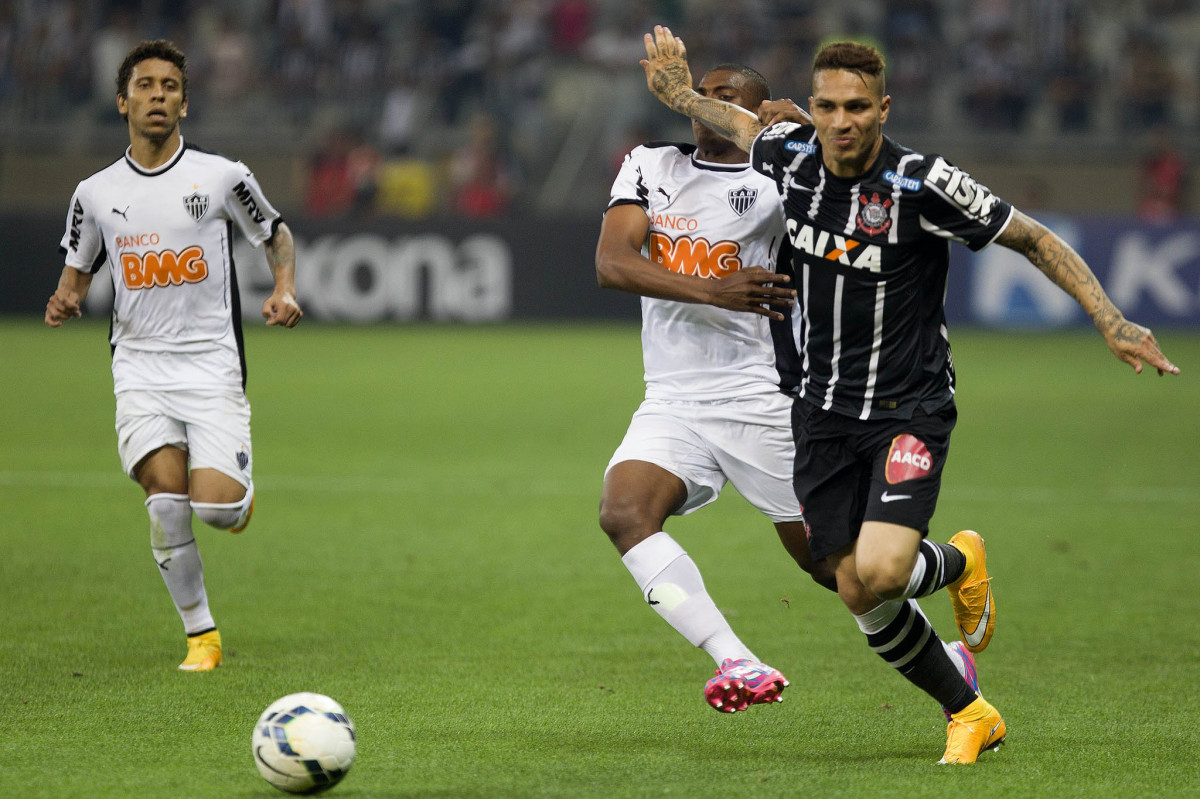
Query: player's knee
[(224, 515), (822, 574), (884, 579), (625, 523)]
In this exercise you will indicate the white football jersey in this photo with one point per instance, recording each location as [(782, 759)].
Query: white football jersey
[(166, 236), (709, 220)]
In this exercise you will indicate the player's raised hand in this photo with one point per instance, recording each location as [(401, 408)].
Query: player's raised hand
[(281, 308), (63, 305), (1134, 344), (667, 73), (782, 110), (752, 290)]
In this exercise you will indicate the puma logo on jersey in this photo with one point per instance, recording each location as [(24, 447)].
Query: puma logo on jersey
[(960, 187), (698, 256), (166, 268), (833, 247), (122, 213)]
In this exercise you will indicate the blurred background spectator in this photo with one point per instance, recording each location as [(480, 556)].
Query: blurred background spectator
[(458, 97), (1163, 179)]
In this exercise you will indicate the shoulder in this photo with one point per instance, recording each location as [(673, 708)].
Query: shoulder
[(783, 134), (212, 161), (662, 151), (195, 151)]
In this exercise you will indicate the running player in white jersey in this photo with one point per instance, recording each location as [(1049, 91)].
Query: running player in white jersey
[(162, 217), (713, 411)]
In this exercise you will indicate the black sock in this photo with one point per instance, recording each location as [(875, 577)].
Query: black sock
[(943, 565), (920, 656)]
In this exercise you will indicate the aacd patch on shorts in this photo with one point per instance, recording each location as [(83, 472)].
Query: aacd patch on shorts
[(908, 459)]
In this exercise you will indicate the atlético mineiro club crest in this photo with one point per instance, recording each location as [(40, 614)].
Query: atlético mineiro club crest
[(873, 217), (742, 199), (196, 205)]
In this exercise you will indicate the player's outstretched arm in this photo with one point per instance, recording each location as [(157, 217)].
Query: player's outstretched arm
[(1130, 342), (668, 77), (620, 265), (281, 307), (67, 298)]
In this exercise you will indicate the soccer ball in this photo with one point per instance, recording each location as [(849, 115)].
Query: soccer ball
[(303, 743)]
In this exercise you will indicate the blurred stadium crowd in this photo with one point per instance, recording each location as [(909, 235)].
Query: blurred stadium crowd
[(413, 106)]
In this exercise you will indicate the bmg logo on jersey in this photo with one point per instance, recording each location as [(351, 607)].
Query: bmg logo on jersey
[(166, 268), (697, 256)]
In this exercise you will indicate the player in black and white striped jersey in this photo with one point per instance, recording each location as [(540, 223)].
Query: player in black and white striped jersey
[(870, 224)]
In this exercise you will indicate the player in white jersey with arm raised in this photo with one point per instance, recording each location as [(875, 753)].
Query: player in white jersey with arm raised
[(711, 227), (162, 217)]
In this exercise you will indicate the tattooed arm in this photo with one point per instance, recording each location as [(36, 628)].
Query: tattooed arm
[(1130, 342), (281, 307), (668, 77)]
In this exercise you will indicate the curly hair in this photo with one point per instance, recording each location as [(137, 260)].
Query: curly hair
[(158, 48)]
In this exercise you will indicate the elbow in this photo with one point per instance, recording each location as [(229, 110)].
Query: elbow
[(606, 274)]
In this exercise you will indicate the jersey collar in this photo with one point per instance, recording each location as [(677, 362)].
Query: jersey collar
[(141, 170), (712, 166)]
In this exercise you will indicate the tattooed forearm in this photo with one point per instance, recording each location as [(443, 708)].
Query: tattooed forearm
[(1055, 258), (732, 122), (281, 254)]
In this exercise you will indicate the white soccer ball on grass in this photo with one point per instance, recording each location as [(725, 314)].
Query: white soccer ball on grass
[(304, 743)]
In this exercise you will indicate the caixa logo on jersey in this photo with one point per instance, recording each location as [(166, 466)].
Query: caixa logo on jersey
[(742, 199)]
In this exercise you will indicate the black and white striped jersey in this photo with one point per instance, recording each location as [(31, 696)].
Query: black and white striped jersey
[(869, 260)]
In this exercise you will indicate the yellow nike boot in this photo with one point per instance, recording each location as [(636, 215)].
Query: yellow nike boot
[(971, 593), (204, 652), (973, 730)]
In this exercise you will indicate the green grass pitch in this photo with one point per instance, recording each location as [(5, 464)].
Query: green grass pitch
[(425, 550)]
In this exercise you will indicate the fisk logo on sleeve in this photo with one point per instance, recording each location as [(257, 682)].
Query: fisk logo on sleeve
[(960, 187), (697, 256)]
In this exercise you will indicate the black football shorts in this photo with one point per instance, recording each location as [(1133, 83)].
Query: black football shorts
[(848, 471)]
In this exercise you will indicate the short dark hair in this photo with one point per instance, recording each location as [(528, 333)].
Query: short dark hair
[(755, 82), (861, 59), (158, 48)]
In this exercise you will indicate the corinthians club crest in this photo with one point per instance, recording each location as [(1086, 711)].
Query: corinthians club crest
[(196, 205), (873, 217), (742, 199)]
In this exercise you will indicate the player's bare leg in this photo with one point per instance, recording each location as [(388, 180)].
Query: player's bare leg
[(794, 537), (899, 633), (221, 501), (164, 477), (636, 500)]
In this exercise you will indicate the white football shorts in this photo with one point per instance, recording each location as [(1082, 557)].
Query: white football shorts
[(213, 428), (745, 441)]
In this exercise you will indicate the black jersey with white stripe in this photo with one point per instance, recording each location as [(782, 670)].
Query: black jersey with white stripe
[(870, 257)]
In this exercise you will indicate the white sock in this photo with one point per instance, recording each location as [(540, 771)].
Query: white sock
[(178, 559), (672, 585)]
